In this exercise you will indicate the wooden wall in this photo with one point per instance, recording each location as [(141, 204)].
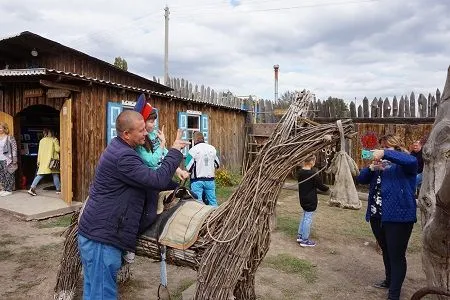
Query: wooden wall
[(226, 130), (407, 132)]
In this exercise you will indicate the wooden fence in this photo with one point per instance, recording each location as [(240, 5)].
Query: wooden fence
[(406, 107)]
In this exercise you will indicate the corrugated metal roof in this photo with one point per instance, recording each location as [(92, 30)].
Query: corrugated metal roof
[(23, 72), (44, 71)]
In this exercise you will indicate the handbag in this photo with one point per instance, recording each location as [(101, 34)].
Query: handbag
[(54, 163)]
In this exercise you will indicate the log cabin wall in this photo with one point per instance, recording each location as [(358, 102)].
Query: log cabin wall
[(226, 130)]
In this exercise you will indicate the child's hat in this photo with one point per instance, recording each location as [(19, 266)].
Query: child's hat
[(142, 107)]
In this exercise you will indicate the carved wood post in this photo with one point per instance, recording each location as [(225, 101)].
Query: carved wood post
[(412, 105), (434, 198)]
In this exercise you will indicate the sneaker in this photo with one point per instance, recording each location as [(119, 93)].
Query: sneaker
[(307, 243), (58, 192), (32, 192), (299, 238), (381, 285), (5, 193)]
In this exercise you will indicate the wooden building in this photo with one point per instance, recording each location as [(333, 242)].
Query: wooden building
[(46, 84)]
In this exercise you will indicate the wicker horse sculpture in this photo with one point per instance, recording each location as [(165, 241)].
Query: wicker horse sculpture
[(234, 240)]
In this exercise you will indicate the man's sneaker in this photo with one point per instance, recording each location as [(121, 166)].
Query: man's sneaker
[(5, 193), (307, 243), (32, 192), (58, 192), (381, 285), (299, 238)]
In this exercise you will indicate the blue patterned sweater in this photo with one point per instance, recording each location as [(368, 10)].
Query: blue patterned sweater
[(398, 183)]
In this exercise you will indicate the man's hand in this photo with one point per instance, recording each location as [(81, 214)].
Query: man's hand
[(182, 174), (179, 143)]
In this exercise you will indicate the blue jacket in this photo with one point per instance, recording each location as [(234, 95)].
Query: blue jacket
[(118, 193), (398, 183)]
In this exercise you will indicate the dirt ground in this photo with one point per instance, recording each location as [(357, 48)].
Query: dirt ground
[(343, 265)]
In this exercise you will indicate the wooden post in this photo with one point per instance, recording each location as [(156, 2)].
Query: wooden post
[(386, 108), (407, 110), (422, 102), (394, 107), (352, 110), (360, 111), (438, 99), (380, 108), (401, 109), (366, 110), (373, 108), (433, 107), (412, 105)]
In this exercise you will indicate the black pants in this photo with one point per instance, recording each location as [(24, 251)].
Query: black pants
[(393, 239)]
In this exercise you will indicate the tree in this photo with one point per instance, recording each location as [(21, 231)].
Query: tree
[(337, 108), (121, 63)]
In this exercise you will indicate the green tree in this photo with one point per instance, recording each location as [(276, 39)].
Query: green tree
[(121, 63), (338, 106)]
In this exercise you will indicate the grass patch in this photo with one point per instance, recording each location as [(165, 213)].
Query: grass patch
[(293, 265), (63, 221), (184, 284), (5, 254), (223, 193), (288, 226)]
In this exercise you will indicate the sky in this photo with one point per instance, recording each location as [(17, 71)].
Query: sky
[(341, 48)]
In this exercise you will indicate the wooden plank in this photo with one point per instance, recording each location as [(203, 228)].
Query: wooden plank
[(394, 107), (65, 118), (57, 85), (366, 111)]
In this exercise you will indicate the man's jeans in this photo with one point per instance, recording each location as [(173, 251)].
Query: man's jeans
[(207, 186), (101, 262), (304, 228)]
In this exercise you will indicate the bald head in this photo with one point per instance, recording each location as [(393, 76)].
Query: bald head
[(126, 121), (130, 127)]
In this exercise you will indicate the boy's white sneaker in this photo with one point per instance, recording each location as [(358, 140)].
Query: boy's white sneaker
[(5, 193)]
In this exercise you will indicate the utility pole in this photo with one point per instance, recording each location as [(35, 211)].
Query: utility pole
[(166, 46)]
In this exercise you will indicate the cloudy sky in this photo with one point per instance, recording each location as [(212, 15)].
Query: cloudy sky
[(340, 48)]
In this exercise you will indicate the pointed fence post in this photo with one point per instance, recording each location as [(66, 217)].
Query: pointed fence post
[(395, 107)]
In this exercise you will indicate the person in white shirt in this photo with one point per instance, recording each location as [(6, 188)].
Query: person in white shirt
[(201, 162)]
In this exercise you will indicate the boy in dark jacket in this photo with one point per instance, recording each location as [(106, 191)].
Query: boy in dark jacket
[(308, 183)]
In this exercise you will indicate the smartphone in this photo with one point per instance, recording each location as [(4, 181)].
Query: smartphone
[(367, 154)]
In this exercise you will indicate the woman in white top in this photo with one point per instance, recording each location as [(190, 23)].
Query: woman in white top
[(8, 160)]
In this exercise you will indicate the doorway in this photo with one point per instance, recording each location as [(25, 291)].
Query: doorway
[(32, 122)]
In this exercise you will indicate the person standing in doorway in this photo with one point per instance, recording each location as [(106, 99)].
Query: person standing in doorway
[(48, 150), (308, 183), (8, 160), (201, 162)]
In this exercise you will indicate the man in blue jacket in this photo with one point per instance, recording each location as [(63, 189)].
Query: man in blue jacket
[(110, 220)]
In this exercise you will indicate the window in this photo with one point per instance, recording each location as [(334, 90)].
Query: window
[(191, 121)]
